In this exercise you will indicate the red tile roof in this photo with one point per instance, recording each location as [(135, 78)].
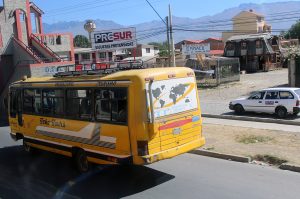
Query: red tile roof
[(216, 52), (193, 41), (214, 38)]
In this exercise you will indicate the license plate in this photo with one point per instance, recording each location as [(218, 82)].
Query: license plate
[(176, 131)]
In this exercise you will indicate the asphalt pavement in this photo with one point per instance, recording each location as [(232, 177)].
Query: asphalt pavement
[(187, 176)]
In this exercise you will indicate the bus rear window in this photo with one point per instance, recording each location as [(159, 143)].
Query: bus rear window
[(172, 96)]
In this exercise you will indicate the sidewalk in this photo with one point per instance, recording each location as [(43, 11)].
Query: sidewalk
[(255, 125), (253, 139)]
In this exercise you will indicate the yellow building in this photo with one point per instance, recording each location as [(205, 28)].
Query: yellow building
[(247, 22)]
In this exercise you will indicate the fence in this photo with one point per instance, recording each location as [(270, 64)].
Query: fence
[(215, 71)]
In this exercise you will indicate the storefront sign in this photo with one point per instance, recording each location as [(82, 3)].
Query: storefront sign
[(193, 49), (114, 39)]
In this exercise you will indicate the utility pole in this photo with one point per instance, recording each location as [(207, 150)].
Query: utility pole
[(171, 37), (168, 40)]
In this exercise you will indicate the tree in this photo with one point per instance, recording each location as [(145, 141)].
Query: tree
[(163, 48), (81, 41), (294, 31)]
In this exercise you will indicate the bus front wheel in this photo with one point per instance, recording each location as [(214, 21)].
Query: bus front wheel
[(81, 161)]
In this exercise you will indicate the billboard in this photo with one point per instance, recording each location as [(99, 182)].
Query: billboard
[(193, 49), (114, 39)]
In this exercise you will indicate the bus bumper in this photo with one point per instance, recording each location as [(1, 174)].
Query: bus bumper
[(13, 136), (148, 159)]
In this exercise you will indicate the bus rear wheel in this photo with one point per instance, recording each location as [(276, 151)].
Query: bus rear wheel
[(81, 161)]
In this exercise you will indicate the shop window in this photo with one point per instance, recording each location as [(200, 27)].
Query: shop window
[(258, 44), (85, 56), (230, 46), (102, 55), (244, 45), (58, 40)]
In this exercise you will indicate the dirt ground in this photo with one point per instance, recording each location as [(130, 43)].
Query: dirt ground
[(227, 139)]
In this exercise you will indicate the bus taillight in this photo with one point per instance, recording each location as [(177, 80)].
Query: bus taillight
[(142, 148)]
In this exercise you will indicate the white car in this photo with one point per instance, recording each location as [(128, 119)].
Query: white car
[(281, 101)]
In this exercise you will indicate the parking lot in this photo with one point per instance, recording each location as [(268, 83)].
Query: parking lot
[(215, 100)]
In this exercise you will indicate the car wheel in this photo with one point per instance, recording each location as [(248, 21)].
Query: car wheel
[(281, 112), (81, 161), (239, 109)]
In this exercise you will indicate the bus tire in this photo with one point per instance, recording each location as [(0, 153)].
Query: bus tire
[(81, 161)]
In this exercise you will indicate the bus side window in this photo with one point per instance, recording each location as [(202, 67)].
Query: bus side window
[(119, 105), (103, 105), (32, 101), (111, 105), (53, 102), (79, 104)]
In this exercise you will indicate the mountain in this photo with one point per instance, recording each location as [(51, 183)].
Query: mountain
[(146, 31)]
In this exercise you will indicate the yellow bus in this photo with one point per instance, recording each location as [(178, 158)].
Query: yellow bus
[(127, 117)]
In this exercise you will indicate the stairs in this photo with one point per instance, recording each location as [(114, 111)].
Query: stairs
[(38, 53), (29, 50), (37, 41)]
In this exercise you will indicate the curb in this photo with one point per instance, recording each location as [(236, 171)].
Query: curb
[(220, 155), (252, 119), (290, 167)]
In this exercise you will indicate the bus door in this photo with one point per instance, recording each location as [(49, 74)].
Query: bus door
[(15, 109), (111, 106)]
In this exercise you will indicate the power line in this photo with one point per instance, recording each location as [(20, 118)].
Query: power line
[(92, 6), (156, 12)]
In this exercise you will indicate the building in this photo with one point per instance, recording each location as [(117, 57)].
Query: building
[(143, 50), (257, 52), (247, 22), (101, 59), (178, 46), (24, 47)]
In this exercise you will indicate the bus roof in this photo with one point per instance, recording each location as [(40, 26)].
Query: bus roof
[(156, 73)]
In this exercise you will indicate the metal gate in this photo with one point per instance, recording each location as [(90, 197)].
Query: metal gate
[(297, 71)]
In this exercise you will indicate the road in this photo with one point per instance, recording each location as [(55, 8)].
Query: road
[(185, 176)]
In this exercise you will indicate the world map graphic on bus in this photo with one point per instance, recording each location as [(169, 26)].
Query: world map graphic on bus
[(173, 96)]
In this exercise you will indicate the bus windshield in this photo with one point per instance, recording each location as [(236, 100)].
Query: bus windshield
[(172, 96)]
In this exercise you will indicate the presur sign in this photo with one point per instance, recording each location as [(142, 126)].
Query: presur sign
[(114, 39)]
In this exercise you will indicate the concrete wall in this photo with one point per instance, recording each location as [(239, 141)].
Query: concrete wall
[(64, 46), (20, 55), (7, 23)]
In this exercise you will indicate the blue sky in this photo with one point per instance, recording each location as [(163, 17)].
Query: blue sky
[(128, 12)]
